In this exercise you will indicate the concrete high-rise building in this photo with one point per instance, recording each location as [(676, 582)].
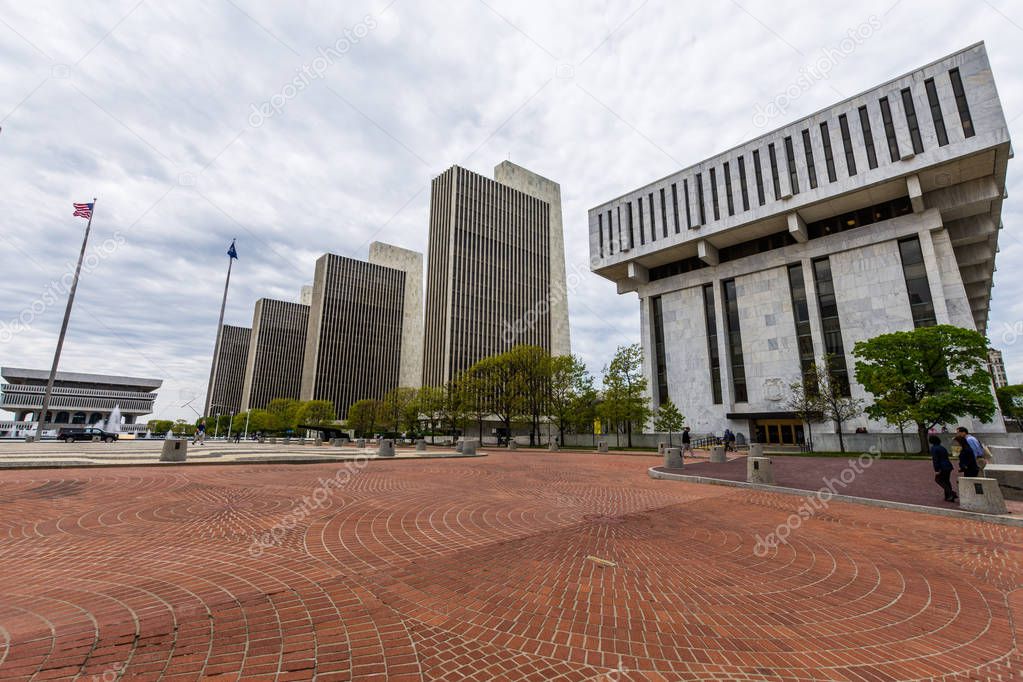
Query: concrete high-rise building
[(365, 327), (276, 352), (225, 393), (878, 214), (997, 365), (496, 271)]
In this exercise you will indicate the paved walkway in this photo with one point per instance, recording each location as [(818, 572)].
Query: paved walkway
[(896, 480), (515, 566)]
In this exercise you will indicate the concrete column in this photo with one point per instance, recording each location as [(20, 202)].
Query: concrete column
[(797, 227), (934, 277), (916, 195), (673, 458), (707, 252), (759, 470)]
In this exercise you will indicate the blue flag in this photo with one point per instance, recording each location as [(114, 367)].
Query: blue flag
[(231, 251)]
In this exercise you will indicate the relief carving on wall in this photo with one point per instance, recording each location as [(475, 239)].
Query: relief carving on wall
[(774, 389)]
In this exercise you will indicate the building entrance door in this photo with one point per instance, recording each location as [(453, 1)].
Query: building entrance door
[(779, 431)]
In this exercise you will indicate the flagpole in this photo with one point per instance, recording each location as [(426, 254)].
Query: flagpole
[(63, 328), (220, 331)]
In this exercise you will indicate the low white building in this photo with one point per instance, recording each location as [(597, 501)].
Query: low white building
[(878, 214)]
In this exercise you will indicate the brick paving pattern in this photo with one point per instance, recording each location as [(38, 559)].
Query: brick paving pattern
[(478, 569)]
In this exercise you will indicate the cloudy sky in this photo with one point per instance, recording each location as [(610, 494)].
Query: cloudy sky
[(303, 127)]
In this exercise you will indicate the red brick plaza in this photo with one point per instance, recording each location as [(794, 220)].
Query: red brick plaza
[(479, 569)]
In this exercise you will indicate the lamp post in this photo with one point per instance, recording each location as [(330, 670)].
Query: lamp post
[(248, 415), (216, 428)]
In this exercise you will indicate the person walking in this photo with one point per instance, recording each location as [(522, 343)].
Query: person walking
[(942, 468), (200, 433), (687, 442), (729, 440), (979, 452), (967, 457)]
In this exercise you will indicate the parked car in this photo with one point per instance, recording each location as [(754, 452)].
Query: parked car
[(70, 435)]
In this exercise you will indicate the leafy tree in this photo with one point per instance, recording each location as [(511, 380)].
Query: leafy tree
[(530, 370), (668, 419), (285, 413), (498, 375), (316, 413), (362, 416), (398, 410), (625, 402), (451, 410), (1010, 400), (182, 428), (159, 426), (430, 405), (933, 375), (474, 390), (571, 395)]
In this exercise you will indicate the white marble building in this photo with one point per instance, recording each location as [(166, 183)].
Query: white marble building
[(877, 214)]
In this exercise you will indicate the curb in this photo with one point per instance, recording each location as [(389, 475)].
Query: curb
[(1001, 519), (78, 464)]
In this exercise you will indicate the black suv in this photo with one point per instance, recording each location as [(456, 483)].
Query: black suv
[(85, 433)]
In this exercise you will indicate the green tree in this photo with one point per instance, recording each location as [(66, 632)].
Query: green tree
[(668, 419), (933, 375), (362, 416), (625, 402), (474, 391), (159, 426), (285, 413), (530, 368), (451, 410), (571, 395), (398, 410), (316, 413), (1010, 400)]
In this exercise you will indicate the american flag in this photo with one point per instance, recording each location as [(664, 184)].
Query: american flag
[(83, 210)]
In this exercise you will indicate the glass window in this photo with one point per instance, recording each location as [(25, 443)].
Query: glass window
[(642, 229), (661, 368), (664, 217), (774, 170), (742, 184), (850, 158), (936, 116), (917, 286), (914, 126), (961, 104), (714, 194), (653, 220), (699, 199), (600, 232), (811, 169), (734, 340), (685, 192), (674, 202), (827, 305), (868, 137), (759, 176), (790, 158), (728, 189), (829, 158), (710, 316), (889, 129), (801, 314)]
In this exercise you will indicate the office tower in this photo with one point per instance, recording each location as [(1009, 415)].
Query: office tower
[(276, 351), (225, 394)]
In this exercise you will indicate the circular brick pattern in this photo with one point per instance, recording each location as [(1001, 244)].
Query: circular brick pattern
[(517, 566)]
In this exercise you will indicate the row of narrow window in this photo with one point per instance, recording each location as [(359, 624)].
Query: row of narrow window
[(917, 289), (846, 134)]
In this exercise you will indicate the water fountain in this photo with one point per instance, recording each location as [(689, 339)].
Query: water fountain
[(113, 424)]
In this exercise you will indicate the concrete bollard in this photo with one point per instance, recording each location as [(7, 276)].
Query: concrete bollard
[(1003, 454), (360, 443), (1009, 477), (460, 446), (421, 445), (759, 470), (468, 447), (661, 447), (553, 447), (981, 495), (512, 445), (602, 446), (385, 448), (175, 450), (673, 458), (756, 449), (717, 454)]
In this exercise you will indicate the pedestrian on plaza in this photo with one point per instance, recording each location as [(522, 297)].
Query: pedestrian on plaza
[(200, 433), (967, 457), (687, 442), (980, 453), (942, 468), (729, 440)]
